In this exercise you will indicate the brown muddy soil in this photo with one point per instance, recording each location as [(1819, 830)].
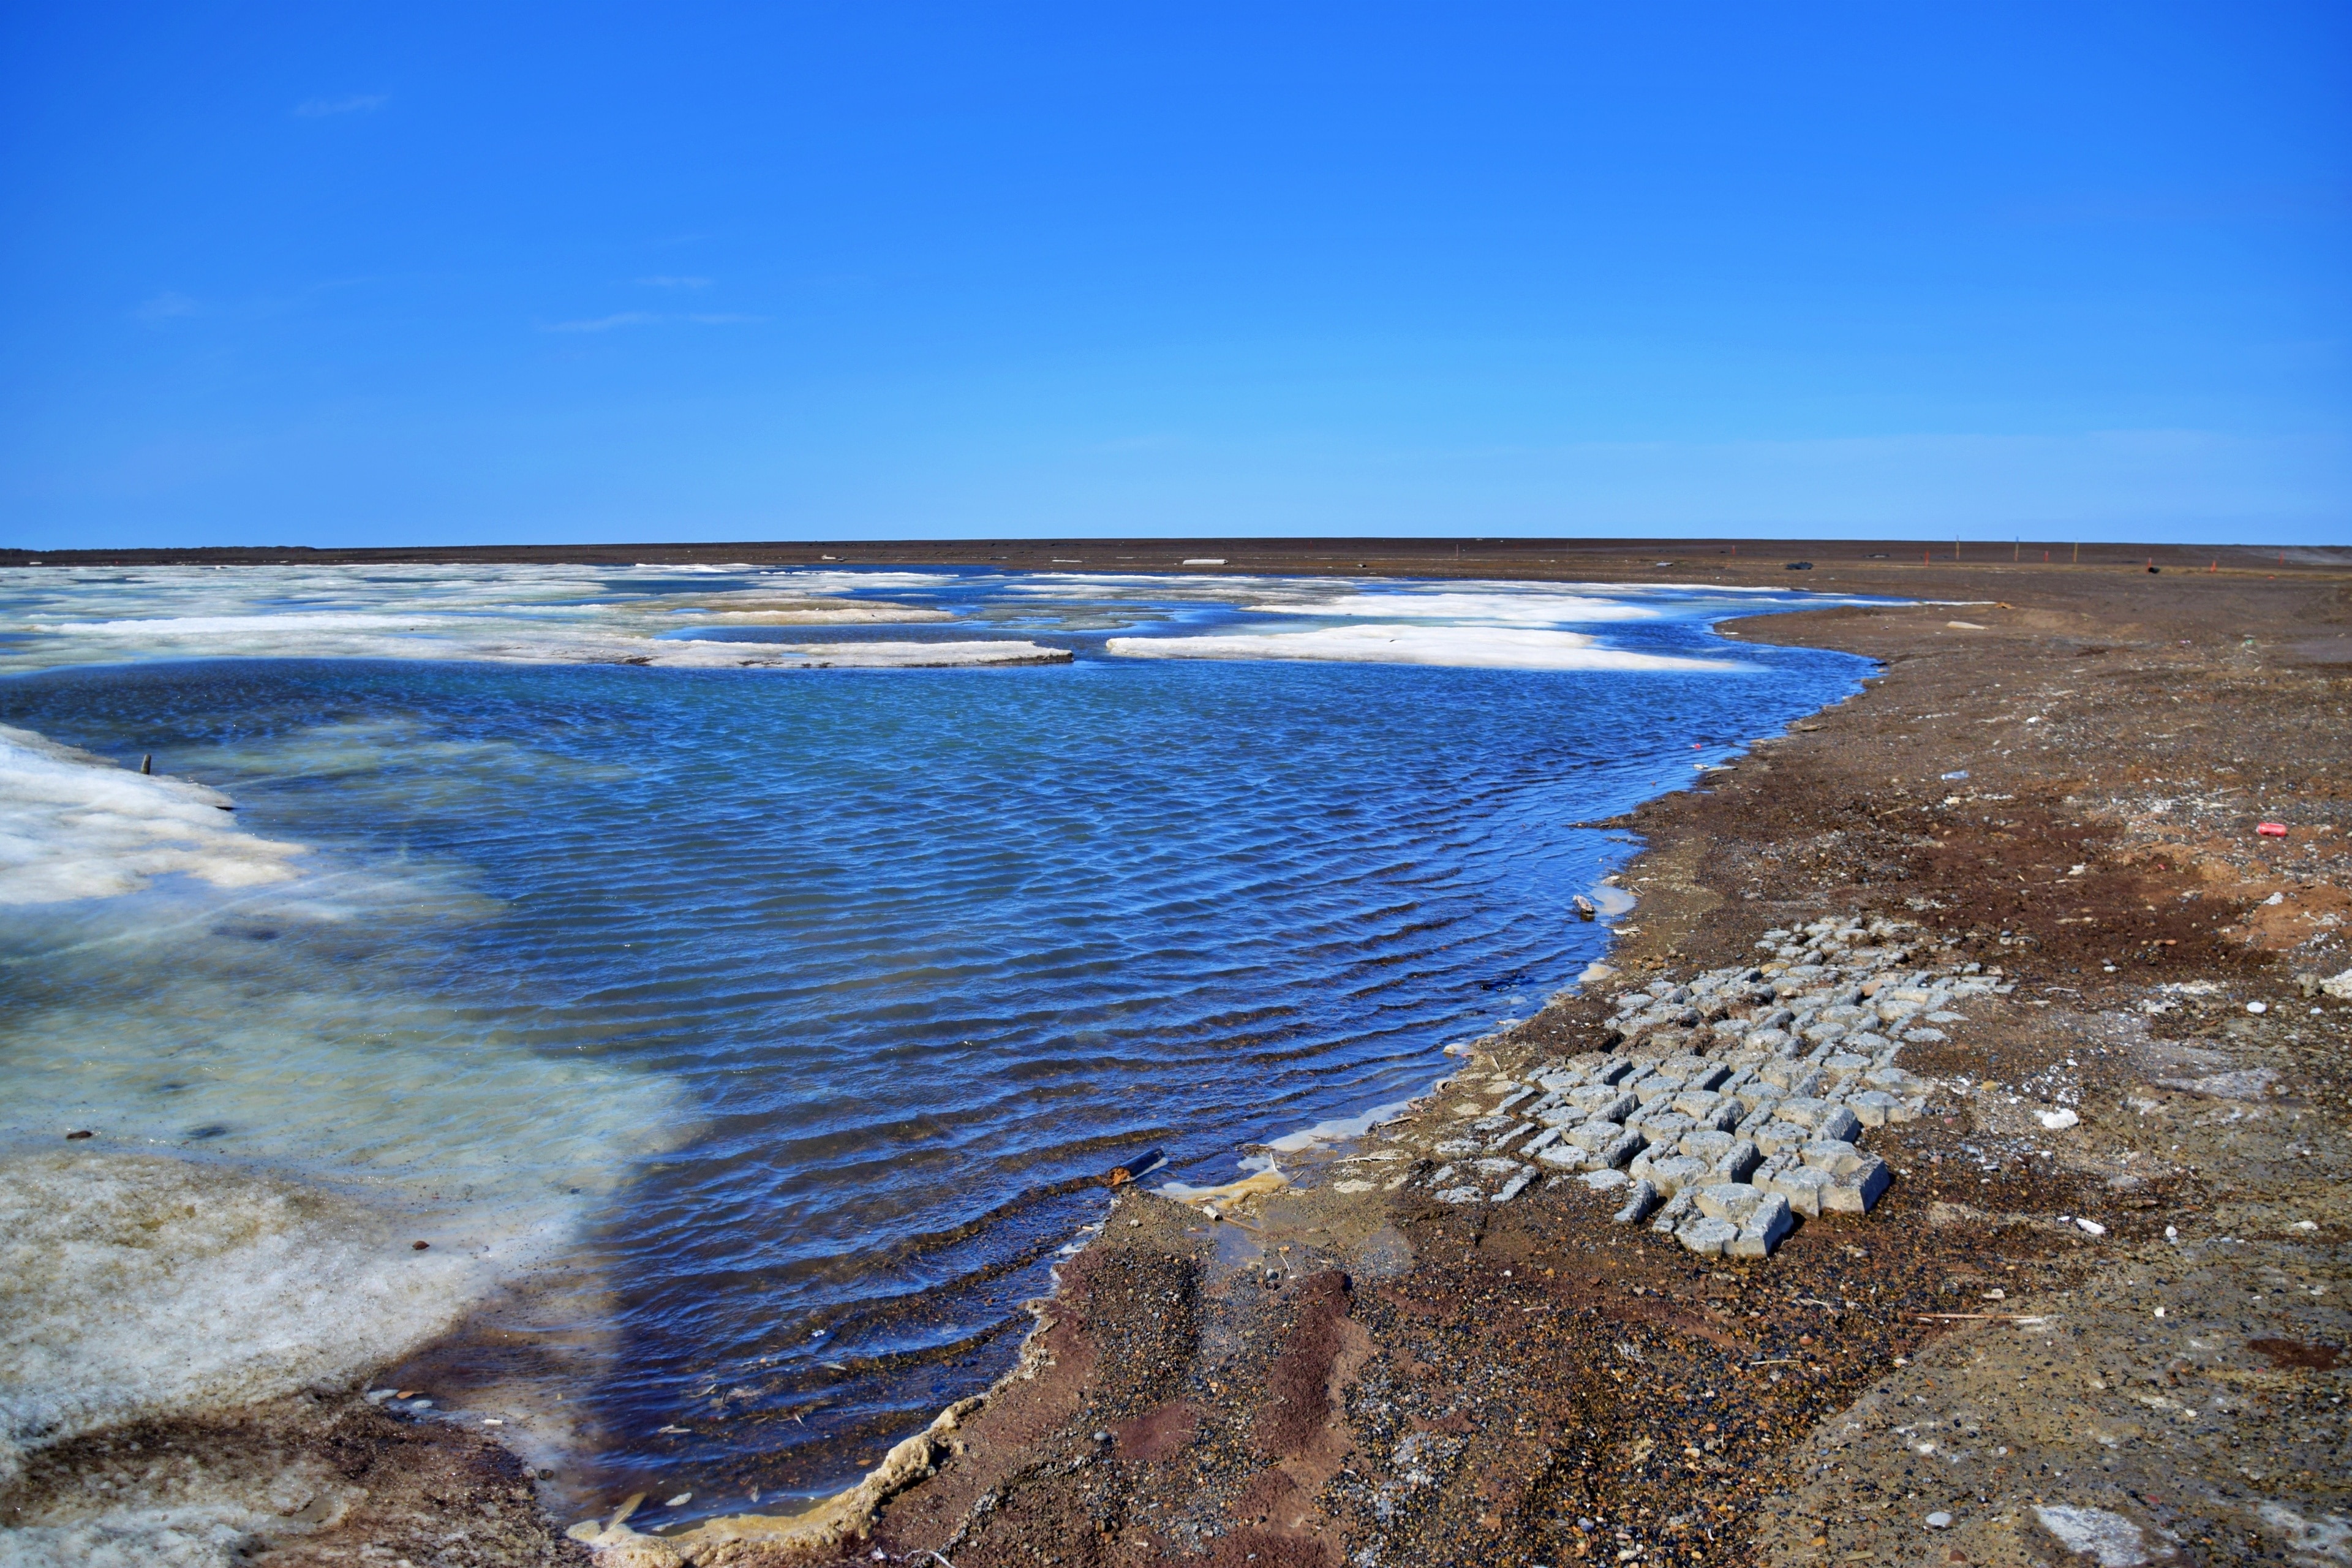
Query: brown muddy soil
[(300, 1483)]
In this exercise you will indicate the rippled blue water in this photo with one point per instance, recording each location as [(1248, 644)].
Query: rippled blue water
[(922, 952)]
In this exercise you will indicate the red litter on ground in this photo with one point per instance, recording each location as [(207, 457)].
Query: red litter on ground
[(2272, 829)]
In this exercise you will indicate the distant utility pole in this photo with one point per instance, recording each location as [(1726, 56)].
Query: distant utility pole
[(2016, 543)]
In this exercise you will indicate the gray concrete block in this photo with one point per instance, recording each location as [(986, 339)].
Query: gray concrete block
[(1653, 1087), (1515, 1186), (1775, 1136), (1833, 1155), (1790, 1077), (1619, 1150), (1872, 1107), (1672, 1214), (1605, 1101), (1606, 1181), (1766, 1227), (1706, 1144), (1840, 1123), (1541, 1142), (1739, 1162), (1594, 1135), (1639, 1201), (1857, 1190), (1662, 1126), (1707, 1236), (1671, 1173), (1734, 1200), (1698, 1104), (1803, 1186), (1804, 1109)]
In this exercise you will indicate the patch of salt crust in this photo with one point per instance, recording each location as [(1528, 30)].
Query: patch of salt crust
[(1469, 648), (1610, 901), (74, 825), (135, 1285), (2108, 1539), (1340, 1130)]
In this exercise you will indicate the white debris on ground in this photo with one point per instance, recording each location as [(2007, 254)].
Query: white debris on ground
[(1728, 1105)]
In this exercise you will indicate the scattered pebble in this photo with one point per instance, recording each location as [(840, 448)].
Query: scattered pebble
[(1939, 1520), (2258, 1006), (680, 1500)]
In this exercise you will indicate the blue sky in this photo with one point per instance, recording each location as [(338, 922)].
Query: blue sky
[(439, 274)]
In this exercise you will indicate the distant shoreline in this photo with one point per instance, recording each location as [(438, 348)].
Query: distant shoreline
[(1894, 566)]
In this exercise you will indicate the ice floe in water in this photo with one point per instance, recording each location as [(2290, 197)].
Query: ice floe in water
[(710, 617), (271, 1126), (1461, 647), (73, 826), (531, 614), (135, 1285), (1516, 605)]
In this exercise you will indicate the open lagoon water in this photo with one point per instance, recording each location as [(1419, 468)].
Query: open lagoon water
[(738, 978)]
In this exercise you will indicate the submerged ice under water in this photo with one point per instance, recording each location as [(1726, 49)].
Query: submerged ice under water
[(746, 1041)]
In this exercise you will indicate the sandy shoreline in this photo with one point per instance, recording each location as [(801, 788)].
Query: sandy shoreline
[(1422, 1381)]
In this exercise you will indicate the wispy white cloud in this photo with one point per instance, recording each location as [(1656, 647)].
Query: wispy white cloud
[(667, 282), (646, 319), (166, 306), (603, 323), (358, 103)]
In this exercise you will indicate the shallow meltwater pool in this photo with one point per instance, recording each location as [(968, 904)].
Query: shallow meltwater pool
[(743, 1036)]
